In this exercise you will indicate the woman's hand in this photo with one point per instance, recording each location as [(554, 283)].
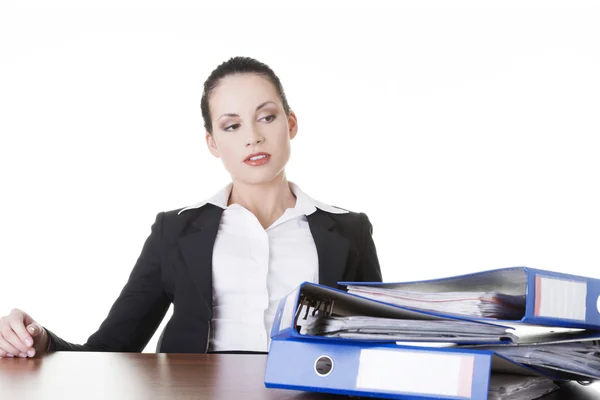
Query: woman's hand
[(21, 336)]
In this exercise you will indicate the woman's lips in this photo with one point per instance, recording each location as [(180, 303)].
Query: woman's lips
[(257, 159)]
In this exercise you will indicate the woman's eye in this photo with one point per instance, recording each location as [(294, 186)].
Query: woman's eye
[(269, 118), (232, 127)]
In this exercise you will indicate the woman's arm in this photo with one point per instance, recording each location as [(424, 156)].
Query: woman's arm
[(137, 312), (368, 270)]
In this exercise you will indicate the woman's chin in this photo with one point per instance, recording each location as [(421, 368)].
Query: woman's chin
[(259, 177)]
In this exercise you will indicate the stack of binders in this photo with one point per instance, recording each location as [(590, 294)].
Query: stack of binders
[(502, 334)]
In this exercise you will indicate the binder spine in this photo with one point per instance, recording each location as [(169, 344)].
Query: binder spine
[(397, 372)]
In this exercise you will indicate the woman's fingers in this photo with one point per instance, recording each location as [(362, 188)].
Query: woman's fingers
[(8, 348), (17, 339), (18, 326), (11, 337)]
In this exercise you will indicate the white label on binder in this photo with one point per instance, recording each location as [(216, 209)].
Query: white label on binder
[(287, 316), (560, 298), (423, 372)]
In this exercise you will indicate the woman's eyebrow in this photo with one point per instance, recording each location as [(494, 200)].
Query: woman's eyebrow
[(264, 104), (257, 108)]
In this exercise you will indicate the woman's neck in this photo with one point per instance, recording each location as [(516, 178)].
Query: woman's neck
[(267, 201)]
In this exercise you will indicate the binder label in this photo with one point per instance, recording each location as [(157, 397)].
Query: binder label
[(408, 371), (560, 298)]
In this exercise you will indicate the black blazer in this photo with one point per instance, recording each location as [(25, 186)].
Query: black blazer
[(175, 266)]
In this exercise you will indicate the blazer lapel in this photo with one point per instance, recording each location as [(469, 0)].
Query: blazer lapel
[(197, 250), (332, 248)]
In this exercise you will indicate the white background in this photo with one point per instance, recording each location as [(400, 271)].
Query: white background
[(467, 131)]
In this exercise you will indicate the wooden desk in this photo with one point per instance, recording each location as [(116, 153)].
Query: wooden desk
[(82, 375)]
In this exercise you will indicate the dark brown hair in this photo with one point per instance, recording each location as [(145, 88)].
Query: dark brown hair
[(238, 65)]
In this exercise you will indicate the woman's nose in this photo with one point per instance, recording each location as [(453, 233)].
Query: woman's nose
[(254, 138)]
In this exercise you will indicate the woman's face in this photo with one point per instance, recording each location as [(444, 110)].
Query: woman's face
[(251, 132)]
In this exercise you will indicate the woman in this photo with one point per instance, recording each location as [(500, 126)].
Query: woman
[(226, 262)]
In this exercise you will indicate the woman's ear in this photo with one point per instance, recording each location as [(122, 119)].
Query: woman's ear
[(293, 124), (212, 145)]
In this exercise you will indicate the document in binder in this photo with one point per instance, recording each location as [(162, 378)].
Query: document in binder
[(388, 371), (515, 387), (314, 311), (576, 359), (521, 294)]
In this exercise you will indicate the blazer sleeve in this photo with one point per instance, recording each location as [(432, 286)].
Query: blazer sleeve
[(137, 312), (368, 270)]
